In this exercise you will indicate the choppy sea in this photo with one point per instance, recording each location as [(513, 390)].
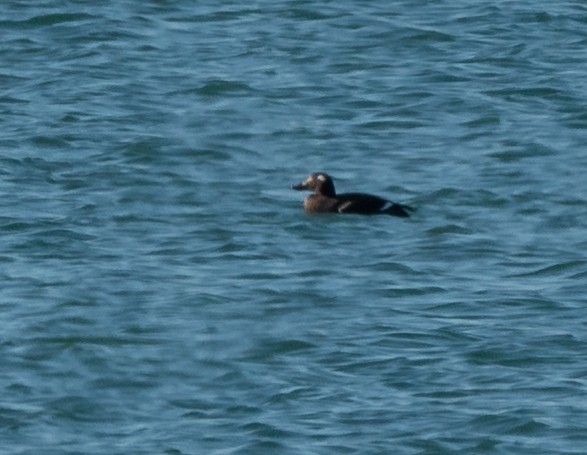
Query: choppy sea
[(163, 292)]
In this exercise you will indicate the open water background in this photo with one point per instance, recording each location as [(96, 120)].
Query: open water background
[(162, 291)]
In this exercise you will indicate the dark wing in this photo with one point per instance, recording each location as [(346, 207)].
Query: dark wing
[(367, 204)]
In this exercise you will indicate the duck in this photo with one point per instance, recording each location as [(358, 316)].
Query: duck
[(325, 199)]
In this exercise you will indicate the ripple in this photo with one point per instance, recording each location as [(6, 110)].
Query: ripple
[(561, 269), (47, 20), (406, 292), (449, 229), (220, 87)]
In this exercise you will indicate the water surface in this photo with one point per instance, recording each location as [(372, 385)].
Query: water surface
[(163, 291)]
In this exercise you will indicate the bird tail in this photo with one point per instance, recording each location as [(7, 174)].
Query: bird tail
[(400, 210)]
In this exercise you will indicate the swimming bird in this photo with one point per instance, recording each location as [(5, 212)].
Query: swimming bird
[(325, 199)]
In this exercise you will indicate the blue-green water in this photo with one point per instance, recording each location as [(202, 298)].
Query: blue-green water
[(162, 291)]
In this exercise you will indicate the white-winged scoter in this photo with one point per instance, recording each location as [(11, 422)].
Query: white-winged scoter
[(325, 199)]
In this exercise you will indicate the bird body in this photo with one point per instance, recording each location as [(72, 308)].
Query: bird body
[(325, 199)]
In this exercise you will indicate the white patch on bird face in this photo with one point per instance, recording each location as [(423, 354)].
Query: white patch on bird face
[(321, 177)]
